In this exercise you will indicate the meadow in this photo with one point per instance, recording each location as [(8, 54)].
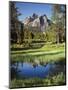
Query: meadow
[(47, 53)]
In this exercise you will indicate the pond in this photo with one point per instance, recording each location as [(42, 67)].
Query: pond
[(28, 70)]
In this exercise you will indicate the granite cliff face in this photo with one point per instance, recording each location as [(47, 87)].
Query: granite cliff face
[(35, 21)]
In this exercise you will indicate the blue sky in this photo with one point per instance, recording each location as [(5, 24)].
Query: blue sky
[(27, 9)]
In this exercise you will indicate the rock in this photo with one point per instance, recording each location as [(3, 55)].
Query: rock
[(41, 22)]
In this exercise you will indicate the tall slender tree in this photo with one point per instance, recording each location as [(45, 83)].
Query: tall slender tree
[(59, 21), (14, 22)]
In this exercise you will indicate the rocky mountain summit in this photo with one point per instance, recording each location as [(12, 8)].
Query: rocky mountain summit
[(41, 22)]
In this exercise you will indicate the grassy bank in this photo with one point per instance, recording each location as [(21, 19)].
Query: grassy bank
[(48, 53), (33, 82), (45, 48), (41, 58)]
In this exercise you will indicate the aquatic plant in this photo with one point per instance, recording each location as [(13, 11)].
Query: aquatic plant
[(58, 79)]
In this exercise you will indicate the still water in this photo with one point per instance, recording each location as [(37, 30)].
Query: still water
[(27, 70)]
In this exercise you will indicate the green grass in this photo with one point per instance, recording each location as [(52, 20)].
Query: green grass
[(58, 79), (44, 58), (49, 52), (46, 47)]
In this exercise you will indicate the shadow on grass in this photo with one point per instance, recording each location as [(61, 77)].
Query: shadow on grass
[(42, 54), (27, 48)]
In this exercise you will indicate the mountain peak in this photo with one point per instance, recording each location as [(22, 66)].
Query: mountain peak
[(37, 21)]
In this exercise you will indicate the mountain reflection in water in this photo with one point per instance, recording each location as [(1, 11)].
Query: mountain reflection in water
[(27, 70)]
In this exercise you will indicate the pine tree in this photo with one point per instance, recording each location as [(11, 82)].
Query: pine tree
[(58, 18), (14, 22)]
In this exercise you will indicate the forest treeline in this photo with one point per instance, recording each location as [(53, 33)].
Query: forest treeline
[(55, 33)]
